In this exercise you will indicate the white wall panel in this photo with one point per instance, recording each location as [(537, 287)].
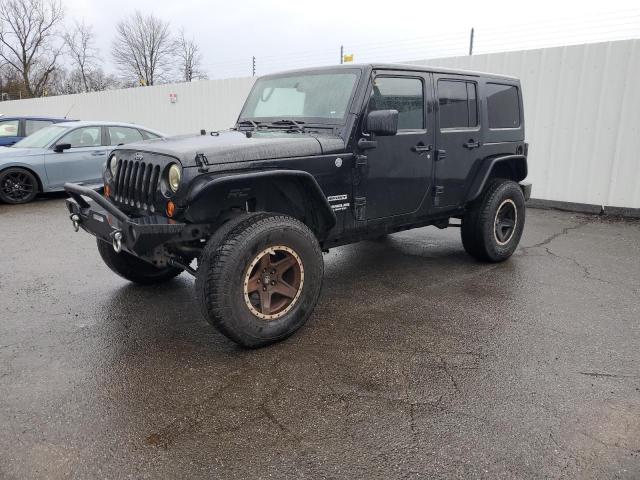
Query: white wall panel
[(582, 118), (582, 114)]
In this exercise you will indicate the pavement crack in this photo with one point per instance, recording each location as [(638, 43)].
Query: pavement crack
[(449, 374), (607, 375)]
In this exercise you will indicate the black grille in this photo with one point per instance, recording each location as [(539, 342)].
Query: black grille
[(136, 183)]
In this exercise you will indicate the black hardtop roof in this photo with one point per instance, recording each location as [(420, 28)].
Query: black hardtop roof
[(400, 66)]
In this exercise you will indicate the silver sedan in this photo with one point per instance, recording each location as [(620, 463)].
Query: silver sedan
[(66, 152)]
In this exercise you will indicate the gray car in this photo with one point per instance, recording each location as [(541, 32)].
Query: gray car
[(66, 152)]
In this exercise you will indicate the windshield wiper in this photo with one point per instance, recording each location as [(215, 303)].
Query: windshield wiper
[(291, 123), (250, 123)]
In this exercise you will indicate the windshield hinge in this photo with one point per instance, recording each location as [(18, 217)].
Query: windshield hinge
[(202, 161)]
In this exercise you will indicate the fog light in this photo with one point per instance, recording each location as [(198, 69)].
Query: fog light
[(171, 209)]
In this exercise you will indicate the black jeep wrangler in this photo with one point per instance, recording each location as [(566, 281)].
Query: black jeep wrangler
[(318, 158)]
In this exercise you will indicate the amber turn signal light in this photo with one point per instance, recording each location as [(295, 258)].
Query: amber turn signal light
[(107, 191), (171, 208)]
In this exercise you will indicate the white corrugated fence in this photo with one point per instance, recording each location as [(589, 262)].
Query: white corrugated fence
[(582, 114)]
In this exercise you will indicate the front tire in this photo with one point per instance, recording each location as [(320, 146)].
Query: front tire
[(132, 268), (260, 283), (492, 227), (17, 185)]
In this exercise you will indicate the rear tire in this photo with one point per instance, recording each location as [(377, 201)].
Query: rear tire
[(492, 227), (252, 305), (18, 185), (132, 268)]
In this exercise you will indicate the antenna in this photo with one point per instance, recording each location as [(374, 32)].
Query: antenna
[(69, 111)]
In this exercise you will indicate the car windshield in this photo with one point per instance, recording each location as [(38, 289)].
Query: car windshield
[(321, 97), (42, 138)]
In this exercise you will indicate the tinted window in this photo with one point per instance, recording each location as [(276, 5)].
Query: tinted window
[(83, 137), (32, 126), (503, 106), (458, 104), (121, 135), (9, 128), (402, 94)]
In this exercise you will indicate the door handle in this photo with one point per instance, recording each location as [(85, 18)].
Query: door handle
[(471, 144), (421, 147)]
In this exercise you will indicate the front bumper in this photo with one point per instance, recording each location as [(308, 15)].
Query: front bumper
[(99, 217)]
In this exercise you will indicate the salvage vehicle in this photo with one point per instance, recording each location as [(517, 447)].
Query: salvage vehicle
[(65, 152), (318, 158)]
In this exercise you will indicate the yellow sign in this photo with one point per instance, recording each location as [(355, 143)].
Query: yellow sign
[(347, 58)]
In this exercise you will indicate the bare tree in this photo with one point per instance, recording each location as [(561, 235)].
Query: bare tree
[(80, 42), (28, 40), (143, 48), (190, 59)]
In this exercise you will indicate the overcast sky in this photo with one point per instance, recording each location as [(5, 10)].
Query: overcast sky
[(287, 34)]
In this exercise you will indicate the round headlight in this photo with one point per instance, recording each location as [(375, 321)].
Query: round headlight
[(113, 164), (175, 175)]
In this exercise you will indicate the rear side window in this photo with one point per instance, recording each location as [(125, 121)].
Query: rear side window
[(32, 126), (503, 106), (122, 135), (458, 101), (9, 128), (402, 94)]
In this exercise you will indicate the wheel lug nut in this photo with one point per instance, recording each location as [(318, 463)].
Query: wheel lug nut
[(273, 282), (264, 289), (273, 272)]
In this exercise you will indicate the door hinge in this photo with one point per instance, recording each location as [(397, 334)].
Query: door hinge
[(359, 205), (441, 154), (361, 161), (437, 191), (360, 168)]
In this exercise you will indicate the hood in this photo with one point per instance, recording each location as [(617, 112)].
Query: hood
[(233, 146), (8, 154)]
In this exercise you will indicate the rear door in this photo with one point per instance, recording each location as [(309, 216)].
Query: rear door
[(82, 163), (400, 167), (459, 137)]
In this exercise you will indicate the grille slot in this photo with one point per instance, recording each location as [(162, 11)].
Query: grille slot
[(136, 183)]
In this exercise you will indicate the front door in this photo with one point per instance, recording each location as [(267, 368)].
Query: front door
[(82, 163), (400, 166), (459, 137)]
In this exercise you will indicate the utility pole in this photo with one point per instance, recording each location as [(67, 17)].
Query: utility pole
[(471, 42), (253, 66), (341, 53)]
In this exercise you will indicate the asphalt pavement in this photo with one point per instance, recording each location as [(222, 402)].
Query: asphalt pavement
[(418, 362)]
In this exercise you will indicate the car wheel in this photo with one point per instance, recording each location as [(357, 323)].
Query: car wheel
[(17, 185), (262, 281), (132, 268), (492, 227)]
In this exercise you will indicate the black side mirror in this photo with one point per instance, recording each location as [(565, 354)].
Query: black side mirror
[(382, 122), (61, 147)]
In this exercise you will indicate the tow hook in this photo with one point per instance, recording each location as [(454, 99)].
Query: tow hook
[(117, 241), (75, 220)]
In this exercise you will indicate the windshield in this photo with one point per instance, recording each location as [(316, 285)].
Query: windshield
[(321, 97), (42, 138)]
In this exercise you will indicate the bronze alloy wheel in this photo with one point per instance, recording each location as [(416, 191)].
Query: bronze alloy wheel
[(273, 282), (505, 222)]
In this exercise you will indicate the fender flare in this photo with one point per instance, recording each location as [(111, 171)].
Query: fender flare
[(207, 187), (484, 173)]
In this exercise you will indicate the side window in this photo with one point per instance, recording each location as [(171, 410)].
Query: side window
[(9, 128), (503, 106), (458, 101), (83, 137), (148, 135), (405, 95), (32, 126), (121, 135)]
